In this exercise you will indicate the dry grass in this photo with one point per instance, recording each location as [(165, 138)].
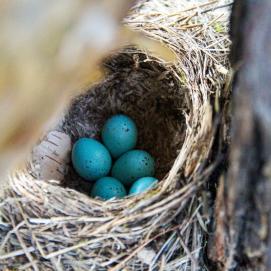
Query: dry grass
[(49, 227)]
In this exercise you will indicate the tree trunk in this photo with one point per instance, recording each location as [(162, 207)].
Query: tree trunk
[(243, 219)]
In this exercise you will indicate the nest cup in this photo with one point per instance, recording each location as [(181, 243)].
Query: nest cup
[(143, 89), (56, 225)]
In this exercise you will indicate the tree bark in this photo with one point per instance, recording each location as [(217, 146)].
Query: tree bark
[(243, 218)]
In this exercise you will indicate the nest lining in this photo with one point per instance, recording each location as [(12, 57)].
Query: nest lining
[(50, 227), (142, 89)]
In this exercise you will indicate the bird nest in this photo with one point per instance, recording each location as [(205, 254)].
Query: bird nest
[(55, 225)]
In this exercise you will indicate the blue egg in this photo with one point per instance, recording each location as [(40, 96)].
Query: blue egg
[(133, 165), (119, 134), (108, 188), (91, 160), (142, 185)]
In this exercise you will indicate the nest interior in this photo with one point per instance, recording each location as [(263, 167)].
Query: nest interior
[(177, 107), (146, 91)]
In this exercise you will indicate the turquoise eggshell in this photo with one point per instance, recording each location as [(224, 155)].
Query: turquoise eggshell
[(133, 165), (142, 185), (119, 134), (90, 159), (107, 188)]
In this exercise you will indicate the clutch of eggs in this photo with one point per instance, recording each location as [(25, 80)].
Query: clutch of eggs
[(133, 168)]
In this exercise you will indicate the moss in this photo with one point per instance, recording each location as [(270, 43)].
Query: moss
[(218, 27)]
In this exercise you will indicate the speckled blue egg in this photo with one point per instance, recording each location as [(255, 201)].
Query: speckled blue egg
[(90, 159), (142, 185), (133, 165), (119, 134), (107, 188)]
